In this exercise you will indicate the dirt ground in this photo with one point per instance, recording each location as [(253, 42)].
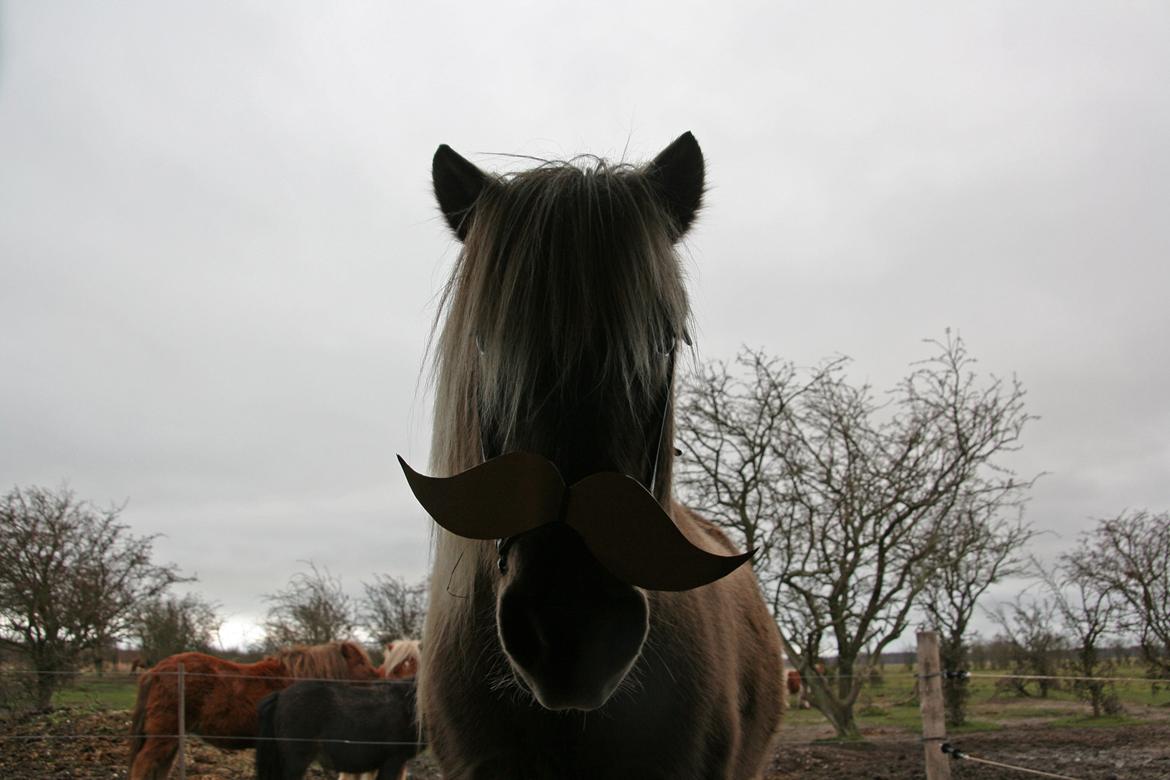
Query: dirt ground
[(1112, 753), (1122, 752)]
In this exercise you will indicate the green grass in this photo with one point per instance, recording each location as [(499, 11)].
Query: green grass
[(839, 741), (114, 691), (903, 717), (1026, 709), (973, 726), (890, 704)]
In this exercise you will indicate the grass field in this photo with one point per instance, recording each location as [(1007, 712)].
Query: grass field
[(890, 703), (111, 691)]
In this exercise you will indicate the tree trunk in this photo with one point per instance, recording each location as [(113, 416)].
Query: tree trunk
[(953, 656), (46, 686), (837, 709), (955, 695), (841, 716)]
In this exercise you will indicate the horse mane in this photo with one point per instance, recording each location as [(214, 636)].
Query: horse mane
[(584, 249), (327, 660), (566, 263), (401, 650)]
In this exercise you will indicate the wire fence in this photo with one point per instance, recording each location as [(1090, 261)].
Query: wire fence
[(239, 737), (222, 675), (182, 697), (884, 675), (182, 734), (959, 755)]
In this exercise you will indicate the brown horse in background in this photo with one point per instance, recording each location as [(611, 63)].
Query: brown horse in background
[(140, 664), (220, 698), (794, 682), (562, 316)]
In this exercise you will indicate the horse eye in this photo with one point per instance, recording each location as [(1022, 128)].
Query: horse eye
[(479, 345)]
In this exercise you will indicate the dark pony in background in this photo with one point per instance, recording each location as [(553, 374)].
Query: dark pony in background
[(561, 316), (220, 698), (351, 728)]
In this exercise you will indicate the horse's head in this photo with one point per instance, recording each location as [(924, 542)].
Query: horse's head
[(562, 316), (401, 659), (357, 661)]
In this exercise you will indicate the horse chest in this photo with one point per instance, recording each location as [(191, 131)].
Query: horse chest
[(658, 728)]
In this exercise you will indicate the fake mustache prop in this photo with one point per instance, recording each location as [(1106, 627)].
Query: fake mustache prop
[(623, 526)]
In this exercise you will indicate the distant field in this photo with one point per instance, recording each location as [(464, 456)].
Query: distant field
[(889, 703)]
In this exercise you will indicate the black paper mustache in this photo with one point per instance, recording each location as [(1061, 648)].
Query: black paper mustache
[(623, 526)]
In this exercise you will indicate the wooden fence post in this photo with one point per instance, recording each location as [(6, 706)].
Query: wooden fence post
[(930, 699), (182, 724)]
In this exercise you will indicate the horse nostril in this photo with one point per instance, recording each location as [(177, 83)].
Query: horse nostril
[(520, 631)]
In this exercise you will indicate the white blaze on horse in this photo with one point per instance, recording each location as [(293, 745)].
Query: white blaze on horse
[(583, 623)]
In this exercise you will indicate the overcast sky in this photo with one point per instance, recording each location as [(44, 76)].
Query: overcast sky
[(219, 254)]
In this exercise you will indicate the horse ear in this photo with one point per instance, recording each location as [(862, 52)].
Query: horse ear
[(678, 173), (457, 185)]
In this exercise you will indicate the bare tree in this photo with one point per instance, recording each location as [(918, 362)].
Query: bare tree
[(1035, 644), (393, 608), (730, 470), (172, 624), (1129, 555), (71, 577), (312, 609), (1088, 610), (977, 547), (994, 653), (845, 497)]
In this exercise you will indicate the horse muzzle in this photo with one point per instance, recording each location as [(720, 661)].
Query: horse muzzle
[(570, 629)]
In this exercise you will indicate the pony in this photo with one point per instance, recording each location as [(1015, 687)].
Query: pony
[(220, 698), (794, 682), (797, 688), (798, 685), (400, 662), (350, 727), (555, 335), (401, 659)]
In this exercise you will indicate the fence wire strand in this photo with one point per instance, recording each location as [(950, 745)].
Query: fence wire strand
[(1069, 677), (90, 679), (959, 755), (383, 681), (188, 735), (222, 675)]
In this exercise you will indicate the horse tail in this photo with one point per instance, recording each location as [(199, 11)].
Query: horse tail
[(138, 720), (267, 748)]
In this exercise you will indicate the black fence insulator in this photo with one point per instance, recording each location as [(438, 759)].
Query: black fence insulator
[(952, 751), (961, 674)]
